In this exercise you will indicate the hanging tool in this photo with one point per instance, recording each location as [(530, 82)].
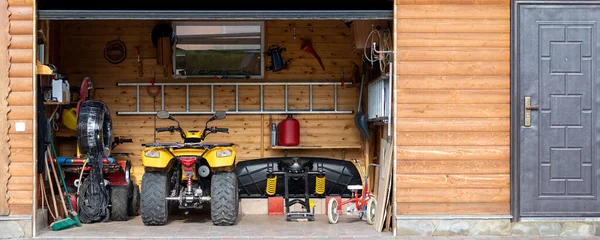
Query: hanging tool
[(342, 76), (71, 210), (140, 68), (154, 94), (59, 222), (163, 38), (307, 47), (360, 119), (277, 62), (355, 75), (294, 31)]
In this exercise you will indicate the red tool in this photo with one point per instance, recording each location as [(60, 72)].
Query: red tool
[(157, 88), (307, 47)]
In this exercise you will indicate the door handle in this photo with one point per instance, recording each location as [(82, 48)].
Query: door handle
[(528, 109)]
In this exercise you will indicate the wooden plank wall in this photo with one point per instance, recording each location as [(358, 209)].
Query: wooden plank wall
[(81, 53), (453, 106), (21, 102)]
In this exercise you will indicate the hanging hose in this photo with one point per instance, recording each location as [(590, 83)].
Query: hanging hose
[(93, 197), (384, 39)]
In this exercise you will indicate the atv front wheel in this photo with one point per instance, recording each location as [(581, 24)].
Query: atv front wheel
[(155, 187), (118, 199), (224, 203)]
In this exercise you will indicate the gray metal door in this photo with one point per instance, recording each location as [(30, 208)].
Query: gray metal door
[(558, 71)]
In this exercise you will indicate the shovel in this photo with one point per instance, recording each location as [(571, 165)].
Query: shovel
[(360, 119)]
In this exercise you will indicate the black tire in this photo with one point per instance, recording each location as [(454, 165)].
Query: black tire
[(134, 204), (155, 188), (118, 199), (224, 203), (94, 128)]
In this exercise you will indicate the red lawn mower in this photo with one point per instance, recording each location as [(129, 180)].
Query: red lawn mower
[(124, 200)]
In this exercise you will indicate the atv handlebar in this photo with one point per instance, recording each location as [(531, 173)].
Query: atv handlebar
[(223, 130), (169, 129)]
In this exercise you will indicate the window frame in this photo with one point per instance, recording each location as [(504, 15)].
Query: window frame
[(261, 24)]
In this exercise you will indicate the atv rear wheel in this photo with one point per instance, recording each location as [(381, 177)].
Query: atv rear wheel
[(224, 203), (155, 188), (118, 199), (134, 204)]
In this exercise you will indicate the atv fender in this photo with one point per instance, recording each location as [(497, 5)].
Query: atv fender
[(216, 162), (161, 162)]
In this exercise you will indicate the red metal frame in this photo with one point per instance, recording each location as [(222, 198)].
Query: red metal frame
[(360, 202)]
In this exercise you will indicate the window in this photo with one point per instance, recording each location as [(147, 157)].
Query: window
[(219, 49)]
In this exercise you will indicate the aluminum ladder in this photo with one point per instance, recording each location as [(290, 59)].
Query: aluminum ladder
[(237, 110)]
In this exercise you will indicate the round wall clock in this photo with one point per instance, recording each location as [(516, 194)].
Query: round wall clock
[(115, 51)]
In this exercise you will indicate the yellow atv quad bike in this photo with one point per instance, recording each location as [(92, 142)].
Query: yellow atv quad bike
[(188, 174)]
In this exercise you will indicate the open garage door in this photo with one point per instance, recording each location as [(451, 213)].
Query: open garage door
[(217, 10)]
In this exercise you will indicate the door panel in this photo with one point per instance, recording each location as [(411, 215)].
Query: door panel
[(558, 69)]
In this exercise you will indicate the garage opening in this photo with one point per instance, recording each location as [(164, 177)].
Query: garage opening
[(215, 115)]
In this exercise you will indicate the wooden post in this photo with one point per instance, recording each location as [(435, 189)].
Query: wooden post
[(4, 90)]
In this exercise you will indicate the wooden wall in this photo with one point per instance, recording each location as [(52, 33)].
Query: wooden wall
[(21, 104), (453, 106), (81, 54)]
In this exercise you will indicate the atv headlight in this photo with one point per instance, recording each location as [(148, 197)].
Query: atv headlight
[(224, 153), (151, 154)]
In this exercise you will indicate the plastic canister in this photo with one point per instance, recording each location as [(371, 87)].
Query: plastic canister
[(289, 132)]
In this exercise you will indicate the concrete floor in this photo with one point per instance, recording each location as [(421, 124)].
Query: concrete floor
[(249, 227)]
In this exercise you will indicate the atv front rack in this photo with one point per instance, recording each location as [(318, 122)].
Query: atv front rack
[(188, 145)]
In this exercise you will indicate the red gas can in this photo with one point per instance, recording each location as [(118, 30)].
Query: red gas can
[(289, 132)]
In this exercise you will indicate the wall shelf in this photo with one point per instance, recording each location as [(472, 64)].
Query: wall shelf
[(316, 147), (341, 147), (63, 132), (59, 103)]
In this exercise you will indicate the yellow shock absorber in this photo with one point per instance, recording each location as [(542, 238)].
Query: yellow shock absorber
[(271, 185), (320, 185)]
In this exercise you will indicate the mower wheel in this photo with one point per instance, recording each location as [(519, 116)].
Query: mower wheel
[(134, 204), (118, 199), (224, 203), (155, 189)]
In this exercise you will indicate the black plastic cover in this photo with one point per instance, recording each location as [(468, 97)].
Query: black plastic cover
[(252, 177)]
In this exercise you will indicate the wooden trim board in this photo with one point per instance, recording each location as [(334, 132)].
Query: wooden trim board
[(4, 90)]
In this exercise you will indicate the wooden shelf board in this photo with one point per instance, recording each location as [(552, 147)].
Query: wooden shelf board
[(42, 69), (59, 103), (65, 133), (317, 147)]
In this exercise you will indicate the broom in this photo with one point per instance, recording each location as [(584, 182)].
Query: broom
[(73, 213), (58, 224)]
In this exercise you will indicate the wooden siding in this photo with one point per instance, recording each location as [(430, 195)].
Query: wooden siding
[(453, 106), (21, 104), (81, 53)]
